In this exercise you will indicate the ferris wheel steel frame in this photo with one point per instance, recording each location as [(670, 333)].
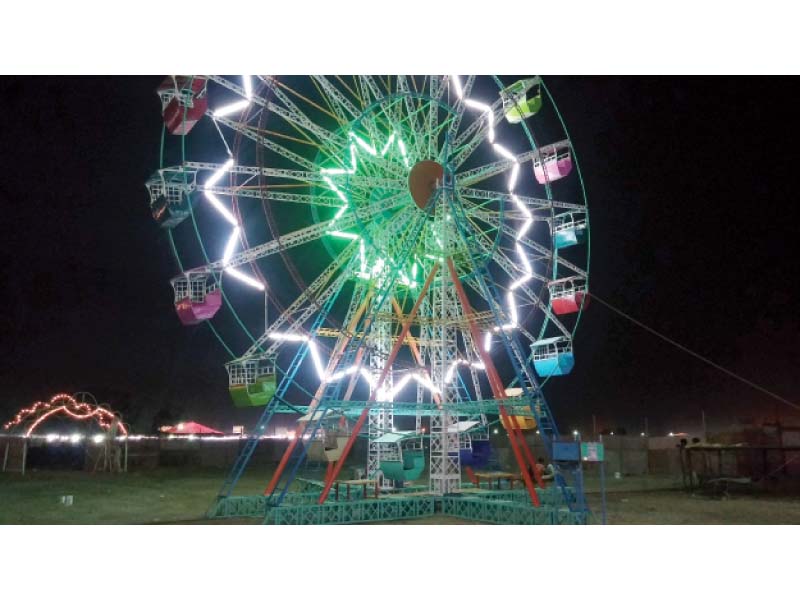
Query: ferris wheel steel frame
[(453, 211)]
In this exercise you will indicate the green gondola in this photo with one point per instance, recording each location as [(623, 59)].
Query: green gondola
[(251, 381), (516, 104)]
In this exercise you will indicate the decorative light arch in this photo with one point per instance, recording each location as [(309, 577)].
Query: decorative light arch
[(38, 412)]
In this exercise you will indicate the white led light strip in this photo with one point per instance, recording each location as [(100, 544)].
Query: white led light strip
[(525, 265), (234, 237), (386, 395)]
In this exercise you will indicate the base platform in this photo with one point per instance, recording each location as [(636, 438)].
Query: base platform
[(502, 507)]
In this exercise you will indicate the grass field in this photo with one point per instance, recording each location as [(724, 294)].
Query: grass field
[(183, 496), (164, 495)]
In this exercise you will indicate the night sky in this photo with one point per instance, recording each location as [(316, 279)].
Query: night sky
[(691, 185)]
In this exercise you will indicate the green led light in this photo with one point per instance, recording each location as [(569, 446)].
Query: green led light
[(344, 234), (375, 270)]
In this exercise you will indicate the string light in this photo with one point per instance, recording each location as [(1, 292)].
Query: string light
[(62, 403)]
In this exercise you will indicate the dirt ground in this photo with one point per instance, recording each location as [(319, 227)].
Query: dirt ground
[(178, 496)]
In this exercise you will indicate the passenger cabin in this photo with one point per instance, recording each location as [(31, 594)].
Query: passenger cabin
[(569, 228), (475, 453), (551, 163), (553, 356), (568, 295), (330, 439), (171, 192), (251, 381), (183, 102), (516, 104), (473, 441), (402, 457), (522, 421), (196, 298)]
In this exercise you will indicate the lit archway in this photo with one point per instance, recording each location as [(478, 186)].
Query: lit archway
[(34, 415)]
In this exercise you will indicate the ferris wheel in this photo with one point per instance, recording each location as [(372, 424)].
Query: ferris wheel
[(396, 257)]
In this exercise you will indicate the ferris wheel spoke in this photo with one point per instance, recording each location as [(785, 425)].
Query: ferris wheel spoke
[(298, 117), (313, 296), (367, 87), (480, 125), (397, 123), (353, 92), (309, 101), (526, 242), (357, 181), (460, 107), (479, 128), (336, 97), (393, 124), (396, 230), (267, 194), (433, 114), (332, 104), (230, 85), (521, 265), (301, 236), (464, 152), (252, 134), (472, 176), (441, 87), (513, 272), (402, 122), (492, 218), (304, 314), (416, 101), (548, 254), (529, 201), (412, 121)]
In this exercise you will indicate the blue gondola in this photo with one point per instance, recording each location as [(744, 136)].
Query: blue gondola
[(478, 455), (553, 356), (171, 195), (569, 228)]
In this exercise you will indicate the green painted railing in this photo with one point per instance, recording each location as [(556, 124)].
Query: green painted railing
[(496, 506)]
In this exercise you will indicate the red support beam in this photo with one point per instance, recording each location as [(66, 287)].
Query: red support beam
[(363, 417), (498, 389), (528, 455), (412, 343), (301, 428)]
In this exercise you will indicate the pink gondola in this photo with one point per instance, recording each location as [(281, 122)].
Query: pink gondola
[(195, 299), (552, 163)]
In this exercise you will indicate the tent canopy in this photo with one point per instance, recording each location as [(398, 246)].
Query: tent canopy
[(190, 428)]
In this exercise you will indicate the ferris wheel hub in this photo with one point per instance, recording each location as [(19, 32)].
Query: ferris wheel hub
[(424, 178)]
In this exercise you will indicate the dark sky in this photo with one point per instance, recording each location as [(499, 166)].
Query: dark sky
[(691, 184)]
